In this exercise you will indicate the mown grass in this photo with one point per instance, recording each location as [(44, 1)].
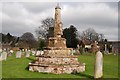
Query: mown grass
[(18, 68)]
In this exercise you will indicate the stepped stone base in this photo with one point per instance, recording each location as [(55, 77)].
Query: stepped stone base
[(57, 62), (57, 69)]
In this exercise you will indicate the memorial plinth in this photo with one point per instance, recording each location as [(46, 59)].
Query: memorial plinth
[(57, 58)]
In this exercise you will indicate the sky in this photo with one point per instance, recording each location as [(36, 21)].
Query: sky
[(20, 17)]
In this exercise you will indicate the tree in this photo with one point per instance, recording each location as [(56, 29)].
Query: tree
[(41, 44), (71, 36), (8, 39), (101, 37), (28, 40), (43, 29), (91, 35)]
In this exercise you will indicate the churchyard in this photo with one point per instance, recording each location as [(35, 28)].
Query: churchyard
[(18, 67), (57, 58)]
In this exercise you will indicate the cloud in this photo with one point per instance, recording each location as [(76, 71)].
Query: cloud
[(90, 13), (60, 0), (99, 16), (38, 7), (18, 18)]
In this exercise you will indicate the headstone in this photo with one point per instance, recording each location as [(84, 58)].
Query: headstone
[(98, 65), (10, 52), (28, 53), (38, 53), (4, 55), (18, 54)]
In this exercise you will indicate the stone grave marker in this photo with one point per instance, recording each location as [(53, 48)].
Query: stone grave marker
[(10, 52), (98, 65), (28, 53), (18, 54), (38, 53), (4, 55)]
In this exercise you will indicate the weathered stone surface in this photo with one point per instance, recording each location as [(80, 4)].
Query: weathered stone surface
[(57, 53), (98, 65), (56, 57), (57, 42), (58, 22), (57, 69)]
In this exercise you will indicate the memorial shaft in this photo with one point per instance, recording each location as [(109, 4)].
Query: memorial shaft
[(58, 22)]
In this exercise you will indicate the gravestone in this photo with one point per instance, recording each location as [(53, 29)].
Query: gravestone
[(4, 55), (28, 53), (38, 53), (98, 65), (18, 54), (10, 52)]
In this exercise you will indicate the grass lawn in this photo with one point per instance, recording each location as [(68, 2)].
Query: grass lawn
[(17, 68)]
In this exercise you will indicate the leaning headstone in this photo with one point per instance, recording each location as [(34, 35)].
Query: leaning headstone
[(28, 53), (18, 54), (98, 65), (4, 55)]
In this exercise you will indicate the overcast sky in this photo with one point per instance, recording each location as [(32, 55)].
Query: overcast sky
[(21, 17)]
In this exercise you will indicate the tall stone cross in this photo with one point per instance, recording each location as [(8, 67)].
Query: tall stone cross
[(58, 22)]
